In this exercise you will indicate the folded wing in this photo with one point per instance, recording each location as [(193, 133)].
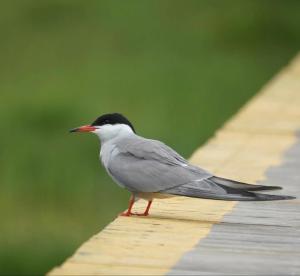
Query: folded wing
[(239, 191), (144, 165)]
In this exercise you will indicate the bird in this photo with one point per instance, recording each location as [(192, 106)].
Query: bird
[(150, 169)]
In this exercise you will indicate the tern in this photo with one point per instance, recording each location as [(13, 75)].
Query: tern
[(150, 169)]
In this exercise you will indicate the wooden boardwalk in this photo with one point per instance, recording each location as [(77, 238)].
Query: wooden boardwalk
[(206, 237)]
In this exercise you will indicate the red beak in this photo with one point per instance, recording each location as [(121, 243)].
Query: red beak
[(87, 128)]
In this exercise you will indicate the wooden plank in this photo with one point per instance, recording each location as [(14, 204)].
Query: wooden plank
[(249, 144)]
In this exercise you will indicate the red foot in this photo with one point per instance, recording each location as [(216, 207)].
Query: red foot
[(126, 214), (129, 214), (142, 214)]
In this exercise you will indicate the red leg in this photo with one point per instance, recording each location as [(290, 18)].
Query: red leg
[(128, 213), (146, 213)]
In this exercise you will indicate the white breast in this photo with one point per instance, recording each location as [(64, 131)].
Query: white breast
[(107, 153)]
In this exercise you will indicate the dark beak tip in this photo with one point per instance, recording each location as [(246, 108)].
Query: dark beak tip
[(73, 130)]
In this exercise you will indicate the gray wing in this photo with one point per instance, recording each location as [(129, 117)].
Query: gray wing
[(211, 189), (144, 165)]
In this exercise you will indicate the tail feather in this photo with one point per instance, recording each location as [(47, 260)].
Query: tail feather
[(252, 196), (241, 185), (210, 189)]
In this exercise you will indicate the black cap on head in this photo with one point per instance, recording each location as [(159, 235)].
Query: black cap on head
[(112, 119)]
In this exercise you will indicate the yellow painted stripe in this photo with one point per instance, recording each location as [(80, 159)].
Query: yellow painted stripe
[(250, 143)]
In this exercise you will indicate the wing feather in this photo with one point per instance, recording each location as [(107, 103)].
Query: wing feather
[(221, 192), (144, 165)]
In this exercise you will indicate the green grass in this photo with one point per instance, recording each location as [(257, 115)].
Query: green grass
[(177, 69)]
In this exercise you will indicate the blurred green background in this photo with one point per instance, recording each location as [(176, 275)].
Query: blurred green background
[(177, 69)]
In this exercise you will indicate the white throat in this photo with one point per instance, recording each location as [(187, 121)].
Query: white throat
[(110, 132)]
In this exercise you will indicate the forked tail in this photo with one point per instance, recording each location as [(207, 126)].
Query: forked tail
[(225, 189)]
